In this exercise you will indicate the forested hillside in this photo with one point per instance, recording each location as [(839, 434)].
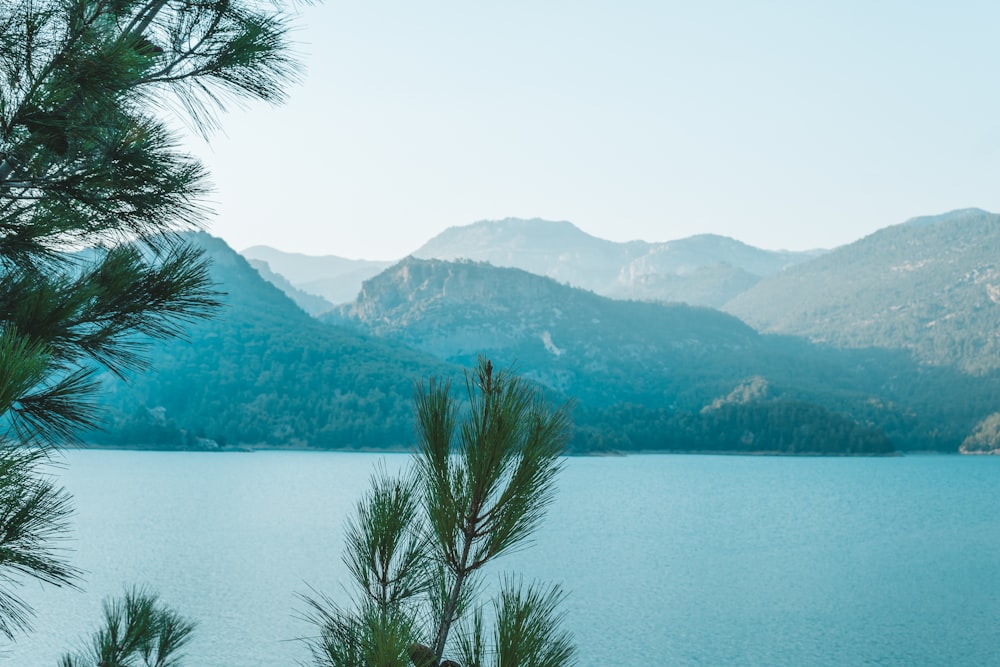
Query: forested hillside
[(582, 344), (262, 372), (666, 376), (930, 286)]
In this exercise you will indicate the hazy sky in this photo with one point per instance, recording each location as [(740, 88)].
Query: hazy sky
[(782, 124)]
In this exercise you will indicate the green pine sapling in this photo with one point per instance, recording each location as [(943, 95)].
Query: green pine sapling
[(484, 474)]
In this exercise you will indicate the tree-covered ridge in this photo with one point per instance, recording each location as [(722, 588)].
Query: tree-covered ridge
[(263, 373), (572, 340), (930, 286), (769, 426)]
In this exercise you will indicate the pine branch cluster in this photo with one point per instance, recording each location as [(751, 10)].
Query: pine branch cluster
[(482, 479), (94, 195)]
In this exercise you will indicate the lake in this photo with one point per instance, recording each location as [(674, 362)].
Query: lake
[(668, 559)]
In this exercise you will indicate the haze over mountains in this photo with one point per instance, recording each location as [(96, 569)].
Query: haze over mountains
[(264, 373), (671, 271), (333, 279), (891, 345), (705, 270)]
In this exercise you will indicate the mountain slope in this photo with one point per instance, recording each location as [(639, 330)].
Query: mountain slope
[(263, 373), (930, 286), (565, 337), (311, 303)]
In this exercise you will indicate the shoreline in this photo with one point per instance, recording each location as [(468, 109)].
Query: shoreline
[(246, 449)]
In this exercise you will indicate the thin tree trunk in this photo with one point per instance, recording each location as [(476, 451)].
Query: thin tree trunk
[(448, 617)]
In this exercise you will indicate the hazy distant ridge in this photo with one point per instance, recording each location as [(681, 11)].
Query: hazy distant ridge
[(705, 270), (335, 279)]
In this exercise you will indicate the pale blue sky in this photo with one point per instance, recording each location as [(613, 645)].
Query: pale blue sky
[(782, 124)]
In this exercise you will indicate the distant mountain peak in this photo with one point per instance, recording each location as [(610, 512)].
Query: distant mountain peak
[(521, 222), (958, 215), (482, 236), (707, 269), (335, 279)]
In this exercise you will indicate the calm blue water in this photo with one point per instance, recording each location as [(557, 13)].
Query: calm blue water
[(684, 560)]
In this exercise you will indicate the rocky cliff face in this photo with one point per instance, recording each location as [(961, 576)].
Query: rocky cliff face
[(565, 337)]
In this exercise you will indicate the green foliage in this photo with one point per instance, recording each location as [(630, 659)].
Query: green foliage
[(483, 477), (527, 628), (138, 630), (492, 495), (34, 520), (985, 438), (86, 161), (93, 193), (386, 554), (365, 636)]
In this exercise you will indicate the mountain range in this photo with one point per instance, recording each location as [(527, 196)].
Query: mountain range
[(930, 286), (642, 374), (686, 270), (705, 270), (263, 373), (674, 358)]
